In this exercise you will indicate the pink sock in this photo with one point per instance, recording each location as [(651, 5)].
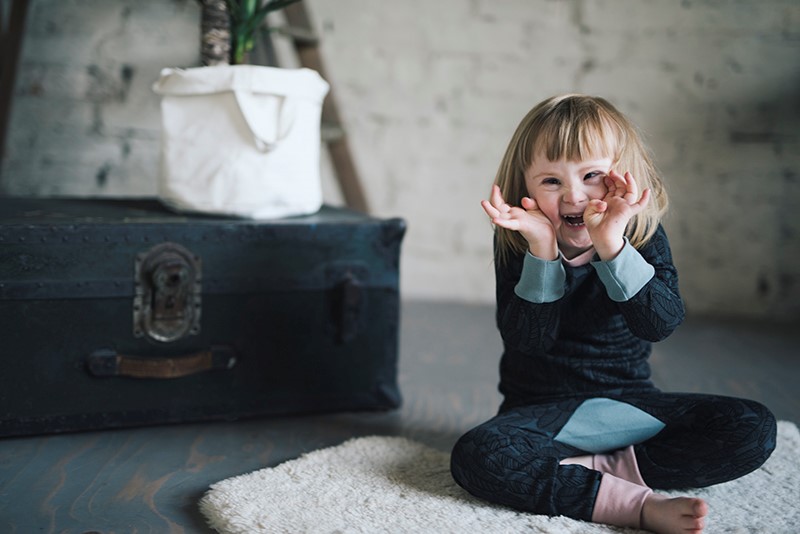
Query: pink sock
[(621, 464), (619, 502)]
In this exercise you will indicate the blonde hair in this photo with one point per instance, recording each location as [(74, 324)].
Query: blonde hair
[(575, 127)]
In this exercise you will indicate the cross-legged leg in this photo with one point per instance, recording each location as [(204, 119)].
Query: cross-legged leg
[(707, 440), (513, 460)]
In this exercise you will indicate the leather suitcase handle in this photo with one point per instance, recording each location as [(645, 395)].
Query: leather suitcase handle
[(106, 362)]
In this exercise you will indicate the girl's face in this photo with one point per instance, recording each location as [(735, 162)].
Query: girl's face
[(563, 189)]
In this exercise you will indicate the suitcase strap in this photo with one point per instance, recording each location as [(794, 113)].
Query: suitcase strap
[(106, 362)]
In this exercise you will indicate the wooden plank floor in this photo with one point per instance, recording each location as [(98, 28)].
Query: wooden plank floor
[(150, 479)]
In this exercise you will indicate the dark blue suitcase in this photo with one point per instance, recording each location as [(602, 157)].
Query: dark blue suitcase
[(120, 312)]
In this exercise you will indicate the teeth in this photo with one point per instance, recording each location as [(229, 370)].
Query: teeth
[(573, 220)]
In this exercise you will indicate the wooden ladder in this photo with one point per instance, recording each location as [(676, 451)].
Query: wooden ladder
[(306, 43), (12, 24)]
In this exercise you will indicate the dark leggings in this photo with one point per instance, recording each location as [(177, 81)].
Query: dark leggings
[(513, 460)]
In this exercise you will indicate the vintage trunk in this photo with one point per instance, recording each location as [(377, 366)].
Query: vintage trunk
[(119, 312)]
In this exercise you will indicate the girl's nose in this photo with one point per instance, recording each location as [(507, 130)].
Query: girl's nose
[(574, 195)]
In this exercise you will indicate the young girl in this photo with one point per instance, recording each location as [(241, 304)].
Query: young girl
[(585, 283)]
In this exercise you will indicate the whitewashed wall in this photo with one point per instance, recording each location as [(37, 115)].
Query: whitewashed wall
[(431, 91)]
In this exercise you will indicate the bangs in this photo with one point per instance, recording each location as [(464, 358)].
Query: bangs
[(576, 129)]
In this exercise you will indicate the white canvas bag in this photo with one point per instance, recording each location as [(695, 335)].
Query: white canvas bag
[(241, 140)]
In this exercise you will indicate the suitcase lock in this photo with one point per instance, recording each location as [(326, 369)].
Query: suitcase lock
[(166, 306)]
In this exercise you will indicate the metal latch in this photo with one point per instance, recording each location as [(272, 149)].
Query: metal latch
[(167, 302), (352, 303), (348, 300)]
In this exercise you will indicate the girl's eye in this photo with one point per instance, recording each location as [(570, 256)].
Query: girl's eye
[(550, 181), (593, 174)]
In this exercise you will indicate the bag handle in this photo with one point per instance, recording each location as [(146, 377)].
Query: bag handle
[(107, 362), (269, 117)]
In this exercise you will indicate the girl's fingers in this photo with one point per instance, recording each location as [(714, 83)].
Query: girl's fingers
[(598, 205), (506, 216), (595, 207), (529, 204), (512, 220), (623, 185), (645, 199), (497, 215), (637, 207), (632, 189), (498, 201), (508, 224), (615, 183), (614, 175), (490, 210), (495, 206)]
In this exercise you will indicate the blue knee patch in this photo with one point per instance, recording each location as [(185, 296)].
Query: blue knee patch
[(601, 425)]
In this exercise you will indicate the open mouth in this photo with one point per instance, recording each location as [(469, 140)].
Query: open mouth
[(573, 220)]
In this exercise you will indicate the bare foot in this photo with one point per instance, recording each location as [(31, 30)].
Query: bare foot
[(681, 515)]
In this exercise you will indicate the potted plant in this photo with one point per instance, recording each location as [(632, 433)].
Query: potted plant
[(240, 139), (229, 28)]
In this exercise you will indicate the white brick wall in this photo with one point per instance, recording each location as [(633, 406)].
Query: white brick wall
[(431, 91), (84, 120)]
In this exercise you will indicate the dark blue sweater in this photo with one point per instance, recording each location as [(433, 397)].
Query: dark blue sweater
[(583, 343)]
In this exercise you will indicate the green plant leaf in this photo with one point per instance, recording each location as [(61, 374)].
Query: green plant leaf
[(246, 18), (265, 9), (278, 4)]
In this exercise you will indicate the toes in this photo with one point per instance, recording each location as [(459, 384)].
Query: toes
[(700, 508)]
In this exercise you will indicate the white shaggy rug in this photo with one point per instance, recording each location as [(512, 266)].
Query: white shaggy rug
[(393, 485)]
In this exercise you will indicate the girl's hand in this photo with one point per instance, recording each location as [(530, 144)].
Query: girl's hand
[(528, 220), (606, 219)]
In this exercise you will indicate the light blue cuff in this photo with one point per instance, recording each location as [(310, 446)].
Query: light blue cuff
[(625, 275), (541, 280)]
